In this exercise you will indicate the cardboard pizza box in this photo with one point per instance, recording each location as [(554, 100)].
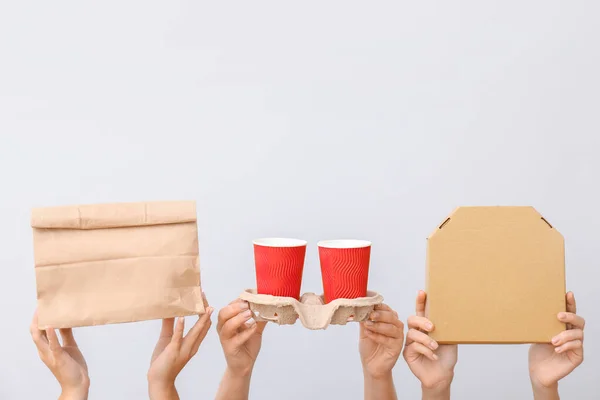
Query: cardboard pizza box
[(495, 275)]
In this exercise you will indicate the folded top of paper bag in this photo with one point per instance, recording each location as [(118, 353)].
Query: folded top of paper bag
[(116, 215)]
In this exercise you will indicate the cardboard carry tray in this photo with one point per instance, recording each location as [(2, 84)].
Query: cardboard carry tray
[(311, 310)]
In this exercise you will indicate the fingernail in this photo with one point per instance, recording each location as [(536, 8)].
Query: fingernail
[(244, 305), (433, 344), (247, 313), (370, 323), (429, 326), (435, 357), (558, 349), (554, 340), (374, 316), (251, 321), (562, 315)]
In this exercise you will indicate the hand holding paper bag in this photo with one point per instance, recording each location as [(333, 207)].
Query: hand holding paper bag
[(65, 361), (173, 351)]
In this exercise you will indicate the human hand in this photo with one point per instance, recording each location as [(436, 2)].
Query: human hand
[(64, 361), (380, 342), (549, 363), (431, 363), (172, 352), (240, 337)]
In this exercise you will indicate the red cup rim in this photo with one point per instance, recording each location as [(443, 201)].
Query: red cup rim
[(279, 242), (344, 244)]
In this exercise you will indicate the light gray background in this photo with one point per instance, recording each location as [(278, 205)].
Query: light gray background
[(315, 120)]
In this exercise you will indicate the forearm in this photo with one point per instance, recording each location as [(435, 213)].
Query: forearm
[(380, 388), (439, 393), (234, 386), (162, 392), (545, 393)]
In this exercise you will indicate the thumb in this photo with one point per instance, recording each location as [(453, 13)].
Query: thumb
[(362, 334), (260, 327), (420, 303)]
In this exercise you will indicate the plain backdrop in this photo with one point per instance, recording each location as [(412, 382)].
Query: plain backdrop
[(314, 120)]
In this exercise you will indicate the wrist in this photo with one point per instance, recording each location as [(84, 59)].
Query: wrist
[(439, 391), (75, 393), (544, 392), (160, 390), (377, 376), (239, 373), (379, 385)]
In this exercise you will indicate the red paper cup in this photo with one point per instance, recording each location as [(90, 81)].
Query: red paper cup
[(344, 268), (279, 265)]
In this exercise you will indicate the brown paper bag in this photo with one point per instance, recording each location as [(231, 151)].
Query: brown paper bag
[(114, 263)]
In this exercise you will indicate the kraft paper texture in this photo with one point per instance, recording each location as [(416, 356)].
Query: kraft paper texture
[(495, 275), (115, 263), (311, 310)]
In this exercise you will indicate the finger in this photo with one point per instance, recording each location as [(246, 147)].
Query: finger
[(67, 337), (419, 349), (203, 319), (230, 328), (35, 326), (385, 308), (201, 325), (242, 337), (389, 317), (384, 328), (53, 342), (381, 339), (567, 336), (422, 323), (194, 335), (38, 336), (230, 311), (166, 330), (201, 337), (574, 345), (178, 332), (573, 319), (571, 303), (260, 327), (382, 307), (34, 322), (422, 338), (36, 333), (420, 303)]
